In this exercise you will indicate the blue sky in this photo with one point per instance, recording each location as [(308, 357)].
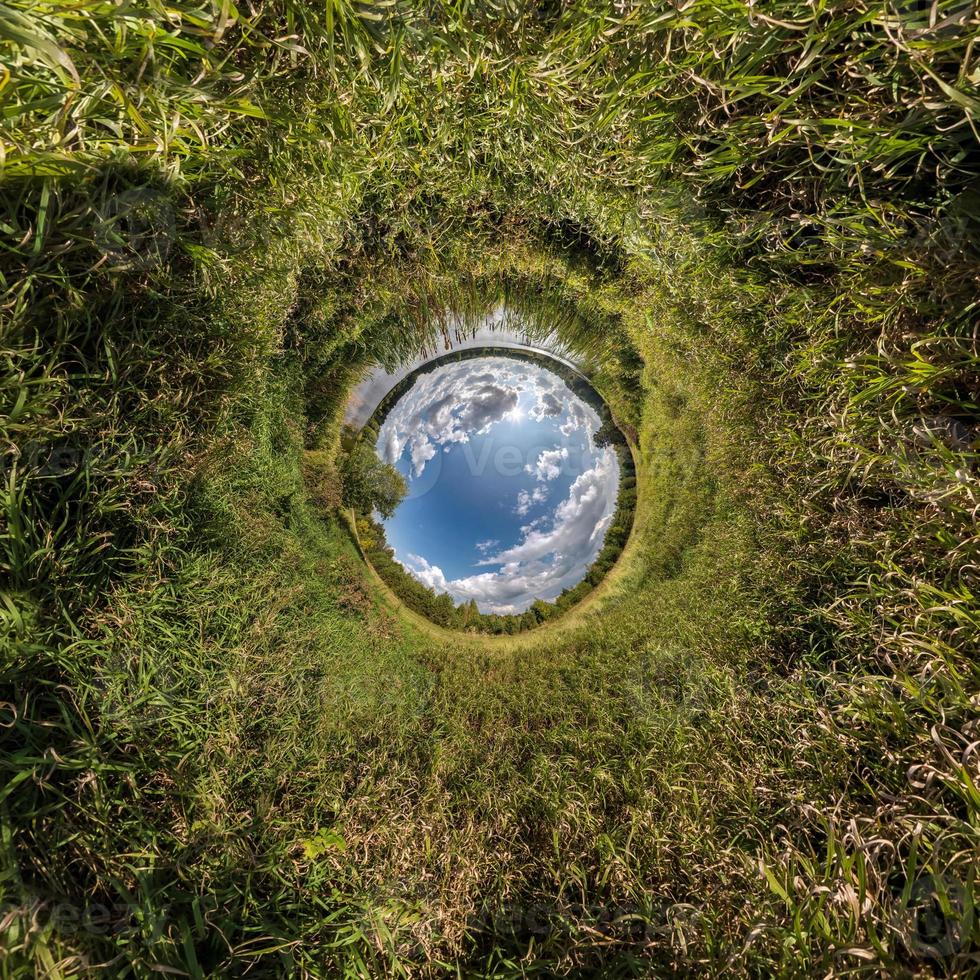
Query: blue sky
[(508, 497)]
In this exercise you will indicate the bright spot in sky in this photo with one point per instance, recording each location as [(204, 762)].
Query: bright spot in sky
[(509, 499)]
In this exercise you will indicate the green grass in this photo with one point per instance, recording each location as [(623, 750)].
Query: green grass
[(225, 746)]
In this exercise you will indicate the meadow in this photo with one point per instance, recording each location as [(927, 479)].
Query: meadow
[(226, 746)]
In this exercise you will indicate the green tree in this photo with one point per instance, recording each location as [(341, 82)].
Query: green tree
[(368, 483), (607, 434), (541, 610), (469, 613)]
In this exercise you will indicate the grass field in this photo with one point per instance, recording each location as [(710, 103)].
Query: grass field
[(226, 748)]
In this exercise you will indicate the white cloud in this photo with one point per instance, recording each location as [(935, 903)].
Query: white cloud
[(452, 403), (526, 499), (484, 546), (545, 561), (531, 525), (430, 575), (548, 404), (458, 400), (548, 465), (579, 521), (580, 416)]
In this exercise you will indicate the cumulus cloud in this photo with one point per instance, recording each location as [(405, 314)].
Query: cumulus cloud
[(580, 521), (489, 404), (449, 405), (580, 416), (547, 559), (549, 404), (457, 401), (548, 465), (531, 525), (430, 575), (526, 499)]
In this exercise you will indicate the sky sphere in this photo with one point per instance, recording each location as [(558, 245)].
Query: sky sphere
[(508, 497)]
